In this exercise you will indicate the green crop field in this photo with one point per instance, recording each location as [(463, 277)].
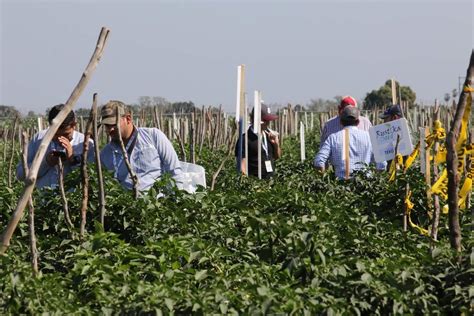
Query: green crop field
[(301, 243)]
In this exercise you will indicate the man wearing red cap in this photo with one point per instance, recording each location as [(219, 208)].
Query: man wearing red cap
[(271, 149), (334, 124)]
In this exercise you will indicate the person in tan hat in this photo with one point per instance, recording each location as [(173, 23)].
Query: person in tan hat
[(67, 145), (150, 152), (271, 149)]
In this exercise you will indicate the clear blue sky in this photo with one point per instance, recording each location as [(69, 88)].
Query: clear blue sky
[(294, 51)]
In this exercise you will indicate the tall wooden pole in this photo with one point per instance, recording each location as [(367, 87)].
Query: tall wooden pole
[(32, 174), (98, 164), (452, 160)]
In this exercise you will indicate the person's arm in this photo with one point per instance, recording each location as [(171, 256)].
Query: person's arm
[(322, 156), (273, 138), (169, 158)]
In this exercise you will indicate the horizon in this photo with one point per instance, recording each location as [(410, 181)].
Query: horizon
[(189, 51)]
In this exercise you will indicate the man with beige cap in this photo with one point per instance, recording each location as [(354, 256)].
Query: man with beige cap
[(150, 152)]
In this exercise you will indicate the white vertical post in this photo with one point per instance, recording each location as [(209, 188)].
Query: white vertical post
[(40, 123), (302, 142), (257, 128), (394, 92), (239, 112), (175, 122)]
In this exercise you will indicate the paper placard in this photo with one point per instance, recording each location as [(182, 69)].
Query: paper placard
[(384, 138)]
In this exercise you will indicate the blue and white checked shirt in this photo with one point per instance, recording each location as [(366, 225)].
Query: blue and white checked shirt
[(334, 125), (48, 175), (360, 151), (152, 155)]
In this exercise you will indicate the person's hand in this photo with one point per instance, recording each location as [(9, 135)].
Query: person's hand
[(272, 137), (66, 144)]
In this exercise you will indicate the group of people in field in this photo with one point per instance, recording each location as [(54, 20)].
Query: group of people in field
[(345, 144), (149, 151)]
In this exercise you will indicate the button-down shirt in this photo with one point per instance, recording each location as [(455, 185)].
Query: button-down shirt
[(360, 151), (334, 125), (150, 155), (48, 175)]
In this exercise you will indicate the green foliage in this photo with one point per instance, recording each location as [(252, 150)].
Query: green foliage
[(300, 243), (383, 96)]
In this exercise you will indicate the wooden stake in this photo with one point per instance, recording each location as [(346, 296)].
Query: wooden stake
[(98, 163), (12, 153), (84, 173), (31, 211), (31, 179), (63, 194), (452, 161), (132, 174)]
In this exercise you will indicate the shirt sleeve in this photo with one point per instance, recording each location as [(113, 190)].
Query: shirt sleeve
[(323, 155), (169, 158), (106, 158)]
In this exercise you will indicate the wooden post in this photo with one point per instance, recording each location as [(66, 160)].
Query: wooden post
[(84, 173), (257, 129), (452, 161), (63, 194), (132, 174), (98, 163), (12, 153), (31, 211), (434, 226), (31, 179), (239, 117), (302, 143)]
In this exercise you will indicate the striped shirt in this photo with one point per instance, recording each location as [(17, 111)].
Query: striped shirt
[(150, 157), (334, 125), (360, 152)]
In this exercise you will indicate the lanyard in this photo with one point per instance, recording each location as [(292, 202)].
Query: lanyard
[(118, 162)]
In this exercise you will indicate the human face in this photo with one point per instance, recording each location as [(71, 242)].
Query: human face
[(66, 132), (125, 126)]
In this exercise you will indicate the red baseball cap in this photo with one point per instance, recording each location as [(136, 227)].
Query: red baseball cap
[(348, 100)]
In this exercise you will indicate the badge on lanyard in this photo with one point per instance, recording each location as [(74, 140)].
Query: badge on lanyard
[(268, 166)]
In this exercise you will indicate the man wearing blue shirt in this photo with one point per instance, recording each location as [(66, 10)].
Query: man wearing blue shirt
[(67, 145), (150, 152), (347, 150)]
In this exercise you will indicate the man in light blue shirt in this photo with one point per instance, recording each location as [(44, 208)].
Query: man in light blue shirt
[(150, 152), (347, 150), (67, 145)]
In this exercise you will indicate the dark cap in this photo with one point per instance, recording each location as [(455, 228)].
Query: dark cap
[(108, 112), (266, 113), (350, 113), (392, 111)]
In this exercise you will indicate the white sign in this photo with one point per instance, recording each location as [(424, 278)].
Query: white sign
[(384, 139)]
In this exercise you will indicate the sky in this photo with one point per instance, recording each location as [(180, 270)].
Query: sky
[(293, 51)]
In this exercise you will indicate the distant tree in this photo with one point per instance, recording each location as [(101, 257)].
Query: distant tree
[(181, 107), (8, 111), (323, 105), (383, 96)]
